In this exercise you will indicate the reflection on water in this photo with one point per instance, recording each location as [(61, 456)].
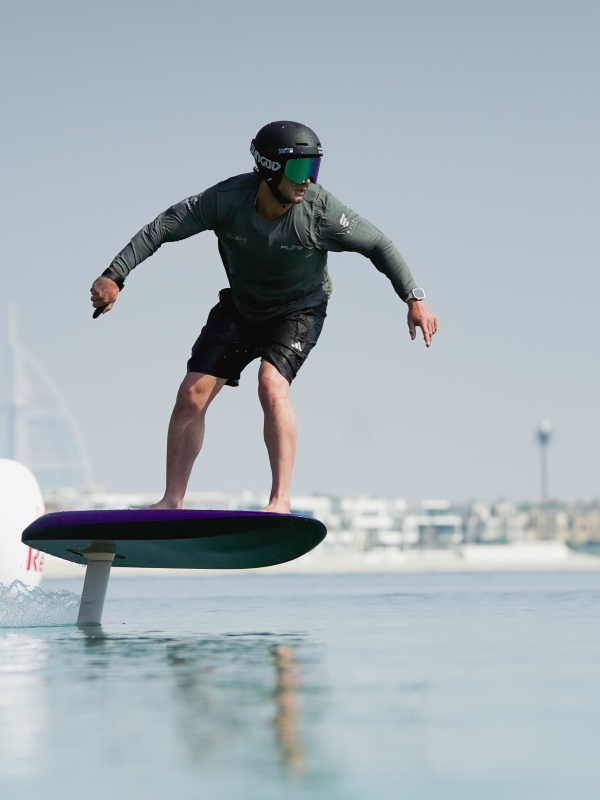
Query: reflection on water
[(197, 705), (23, 702), (225, 709), (288, 707), (232, 690)]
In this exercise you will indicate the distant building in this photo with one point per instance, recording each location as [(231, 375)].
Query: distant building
[(370, 521), (500, 523), (434, 525)]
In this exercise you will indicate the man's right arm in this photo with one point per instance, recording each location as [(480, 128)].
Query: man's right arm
[(185, 219), (179, 222)]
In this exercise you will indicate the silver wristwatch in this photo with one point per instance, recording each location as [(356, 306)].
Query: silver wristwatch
[(417, 294)]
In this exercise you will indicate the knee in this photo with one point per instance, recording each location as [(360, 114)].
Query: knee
[(193, 396), (272, 387)]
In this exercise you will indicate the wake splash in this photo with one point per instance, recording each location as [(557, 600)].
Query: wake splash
[(24, 606)]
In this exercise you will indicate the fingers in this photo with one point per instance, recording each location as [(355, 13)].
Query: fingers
[(101, 301), (103, 292), (420, 316), (431, 329), (102, 297)]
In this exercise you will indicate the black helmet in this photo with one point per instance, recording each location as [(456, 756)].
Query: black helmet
[(281, 142)]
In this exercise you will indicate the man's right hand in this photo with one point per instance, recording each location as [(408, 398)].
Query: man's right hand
[(104, 293)]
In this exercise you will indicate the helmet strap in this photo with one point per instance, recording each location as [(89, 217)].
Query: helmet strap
[(274, 187)]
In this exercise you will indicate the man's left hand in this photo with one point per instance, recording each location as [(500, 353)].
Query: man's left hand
[(421, 316)]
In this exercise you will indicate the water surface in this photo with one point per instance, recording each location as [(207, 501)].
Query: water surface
[(345, 687)]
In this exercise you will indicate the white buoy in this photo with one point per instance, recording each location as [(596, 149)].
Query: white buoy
[(20, 503)]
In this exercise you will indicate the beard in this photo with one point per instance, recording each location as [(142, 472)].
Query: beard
[(290, 195), (292, 192)]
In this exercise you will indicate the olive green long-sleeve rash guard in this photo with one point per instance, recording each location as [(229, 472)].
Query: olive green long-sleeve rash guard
[(274, 266)]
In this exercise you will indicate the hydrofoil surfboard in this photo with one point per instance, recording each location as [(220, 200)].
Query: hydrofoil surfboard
[(172, 539), (178, 539)]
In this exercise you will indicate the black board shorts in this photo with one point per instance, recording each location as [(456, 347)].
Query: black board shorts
[(229, 342)]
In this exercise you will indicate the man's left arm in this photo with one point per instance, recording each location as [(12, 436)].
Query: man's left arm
[(388, 260), (343, 230)]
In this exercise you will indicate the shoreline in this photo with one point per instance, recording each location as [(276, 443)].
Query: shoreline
[(522, 557)]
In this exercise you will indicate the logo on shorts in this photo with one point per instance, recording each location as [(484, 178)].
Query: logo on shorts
[(297, 346), (344, 221)]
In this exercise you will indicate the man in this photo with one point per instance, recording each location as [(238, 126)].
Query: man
[(275, 227)]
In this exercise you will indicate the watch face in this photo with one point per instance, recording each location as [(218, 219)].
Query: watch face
[(418, 294)]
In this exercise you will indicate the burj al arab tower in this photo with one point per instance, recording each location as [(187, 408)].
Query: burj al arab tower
[(42, 431)]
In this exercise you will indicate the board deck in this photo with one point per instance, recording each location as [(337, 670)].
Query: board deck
[(179, 539)]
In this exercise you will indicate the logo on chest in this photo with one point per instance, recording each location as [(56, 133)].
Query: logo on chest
[(236, 237), (291, 247)]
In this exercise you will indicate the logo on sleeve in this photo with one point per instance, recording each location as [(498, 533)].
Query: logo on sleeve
[(297, 346), (348, 225)]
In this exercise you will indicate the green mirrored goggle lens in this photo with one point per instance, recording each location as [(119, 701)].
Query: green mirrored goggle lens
[(299, 170)]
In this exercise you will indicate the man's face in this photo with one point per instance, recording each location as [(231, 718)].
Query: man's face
[(293, 192)]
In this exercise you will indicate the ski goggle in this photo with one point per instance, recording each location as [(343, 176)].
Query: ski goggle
[(300, 170)]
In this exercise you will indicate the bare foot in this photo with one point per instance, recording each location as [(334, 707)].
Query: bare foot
[(278, 507), (166, 504)]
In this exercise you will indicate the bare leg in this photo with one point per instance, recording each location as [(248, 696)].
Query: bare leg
[(280, 434), (186, 433)]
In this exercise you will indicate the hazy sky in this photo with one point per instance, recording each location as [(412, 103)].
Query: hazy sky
[(467, 131)]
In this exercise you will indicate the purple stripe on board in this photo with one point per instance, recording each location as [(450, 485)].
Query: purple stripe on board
[(60, 518)]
